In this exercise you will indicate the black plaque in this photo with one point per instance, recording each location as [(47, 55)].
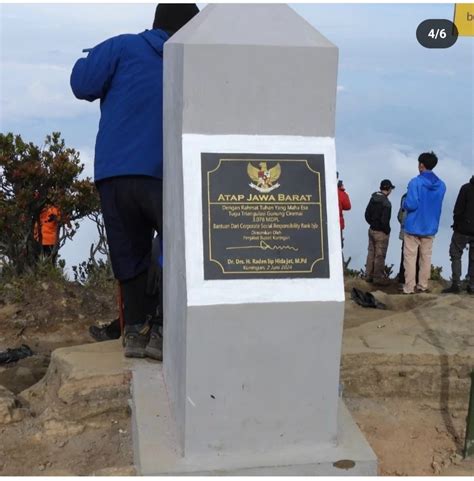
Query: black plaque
[(264, 216)]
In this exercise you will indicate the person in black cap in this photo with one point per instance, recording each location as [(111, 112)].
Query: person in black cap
[(463, 235), (377, 215), (126, 74)]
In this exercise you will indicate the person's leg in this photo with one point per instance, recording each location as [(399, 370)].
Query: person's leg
[(152, 204), (369, 265), (401, 272), (426, 249), (129, 237), (458, 244), (381, 246), (470, 271), (410, 251)]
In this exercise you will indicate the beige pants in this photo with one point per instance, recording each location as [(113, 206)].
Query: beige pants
[(410, 251)]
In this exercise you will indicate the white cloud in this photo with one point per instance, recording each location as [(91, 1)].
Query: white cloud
[(87, 158), (39, 91)]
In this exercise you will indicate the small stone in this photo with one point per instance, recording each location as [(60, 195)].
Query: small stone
[(44, 286)]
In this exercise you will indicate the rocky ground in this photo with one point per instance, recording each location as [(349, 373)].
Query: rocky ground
[(61, 420), (405, 374)]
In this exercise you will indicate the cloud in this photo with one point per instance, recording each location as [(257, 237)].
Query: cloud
[(39, 91), (87, 158)]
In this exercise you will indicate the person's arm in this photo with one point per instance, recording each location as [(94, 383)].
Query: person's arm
[(401, 211), (386, 215), (368, 212), (460, 205), (411, 200), (346, 202), (91, 76)]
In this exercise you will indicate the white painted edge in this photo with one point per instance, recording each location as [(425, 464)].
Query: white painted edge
[(210, 292)]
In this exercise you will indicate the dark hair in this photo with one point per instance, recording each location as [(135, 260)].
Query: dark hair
[(173, 16), (428, 159)]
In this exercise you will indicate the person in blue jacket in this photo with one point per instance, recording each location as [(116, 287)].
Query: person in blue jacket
[(126, 74), (423, 205)]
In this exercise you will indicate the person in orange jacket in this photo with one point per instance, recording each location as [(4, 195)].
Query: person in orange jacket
[(344, 204), (49, 225)]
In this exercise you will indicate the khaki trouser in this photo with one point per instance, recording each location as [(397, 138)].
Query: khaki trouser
[(413, 244), (378, 245)]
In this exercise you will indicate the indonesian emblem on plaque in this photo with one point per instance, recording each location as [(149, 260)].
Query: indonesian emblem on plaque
[(264, 179)]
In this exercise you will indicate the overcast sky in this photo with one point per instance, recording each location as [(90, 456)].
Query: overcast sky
[(396, 99)]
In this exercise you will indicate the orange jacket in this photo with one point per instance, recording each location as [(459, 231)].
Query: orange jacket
[(344, 204), (49, 226)]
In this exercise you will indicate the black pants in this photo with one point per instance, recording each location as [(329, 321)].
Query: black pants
[(132, 207), (458, 244)]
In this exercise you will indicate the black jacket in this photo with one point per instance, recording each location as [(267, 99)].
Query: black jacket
[(378, 212), (464, 209)]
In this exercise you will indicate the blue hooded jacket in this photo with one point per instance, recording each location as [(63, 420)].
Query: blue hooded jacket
[(126, 74), (423, 204)]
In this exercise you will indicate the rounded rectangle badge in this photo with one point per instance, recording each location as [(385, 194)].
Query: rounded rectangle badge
[(264, 216)]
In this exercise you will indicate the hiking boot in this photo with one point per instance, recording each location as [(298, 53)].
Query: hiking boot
[(470, 290), (136, 339), (109, 332), (452, 289), (154, 349)]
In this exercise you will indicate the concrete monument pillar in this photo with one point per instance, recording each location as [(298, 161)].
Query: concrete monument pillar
[(254, 296)]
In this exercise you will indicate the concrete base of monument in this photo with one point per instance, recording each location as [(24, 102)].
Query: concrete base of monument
[(156, 451)]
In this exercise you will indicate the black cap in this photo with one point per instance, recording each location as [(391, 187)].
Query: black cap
[(386, 185), (172, 16)]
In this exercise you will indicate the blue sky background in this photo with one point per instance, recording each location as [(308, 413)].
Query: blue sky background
[(395, 98)]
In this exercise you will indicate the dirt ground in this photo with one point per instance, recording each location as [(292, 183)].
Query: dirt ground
[(411, 435), (46, 316)]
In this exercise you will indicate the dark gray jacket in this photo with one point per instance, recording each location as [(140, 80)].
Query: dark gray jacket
[(464, 209), (378, 212)]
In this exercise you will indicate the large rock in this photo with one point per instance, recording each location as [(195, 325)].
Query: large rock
[(82, 382), (426, 352), (10, 411)]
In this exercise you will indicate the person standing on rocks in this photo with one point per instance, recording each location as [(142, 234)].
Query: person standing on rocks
[(423, 204), (463, 235), (377, 215), (126, 74)]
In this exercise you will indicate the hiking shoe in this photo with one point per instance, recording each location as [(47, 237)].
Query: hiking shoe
[(136, 339), (109, 332), (453, 289), (154, 349)]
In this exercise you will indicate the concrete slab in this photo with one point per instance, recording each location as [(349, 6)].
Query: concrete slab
[(157, 452)]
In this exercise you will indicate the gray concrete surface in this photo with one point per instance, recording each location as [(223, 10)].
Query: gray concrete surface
[(157, 451), (255, 69)]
